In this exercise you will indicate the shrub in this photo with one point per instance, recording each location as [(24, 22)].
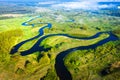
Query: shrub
[(7, 40)]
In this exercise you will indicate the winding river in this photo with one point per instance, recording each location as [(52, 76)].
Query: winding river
[(61, 70)]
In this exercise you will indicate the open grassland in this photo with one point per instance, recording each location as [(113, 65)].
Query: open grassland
[(63, 42), (12, 23), (83, 64), (89, 64), (7, 40)]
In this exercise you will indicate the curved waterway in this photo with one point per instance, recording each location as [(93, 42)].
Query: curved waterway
[(61, 70)]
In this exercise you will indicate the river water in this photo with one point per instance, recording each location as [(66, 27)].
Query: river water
[(60, 68)]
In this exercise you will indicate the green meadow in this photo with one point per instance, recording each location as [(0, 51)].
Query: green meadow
[(82, 64)]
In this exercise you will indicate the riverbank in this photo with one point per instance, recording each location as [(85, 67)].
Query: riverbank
[(44, 46)]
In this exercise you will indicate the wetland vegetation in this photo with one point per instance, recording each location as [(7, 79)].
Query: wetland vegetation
[(78, 42)]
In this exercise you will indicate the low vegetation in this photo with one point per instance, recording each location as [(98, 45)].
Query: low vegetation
[(92, 64), (101, 63), (7, 40), (117, 32)]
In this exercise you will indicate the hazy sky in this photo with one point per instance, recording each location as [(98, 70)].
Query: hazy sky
[(73, 4), (36, 0), (59, 0)]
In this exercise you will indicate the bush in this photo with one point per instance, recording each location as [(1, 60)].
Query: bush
[(7, 40), (117, 32)]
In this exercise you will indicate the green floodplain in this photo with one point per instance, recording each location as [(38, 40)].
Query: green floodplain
[(101, 63)]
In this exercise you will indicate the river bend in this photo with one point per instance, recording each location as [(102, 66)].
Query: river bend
[(60, 68)]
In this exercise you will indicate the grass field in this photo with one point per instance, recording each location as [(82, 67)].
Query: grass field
[(82, 64)]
